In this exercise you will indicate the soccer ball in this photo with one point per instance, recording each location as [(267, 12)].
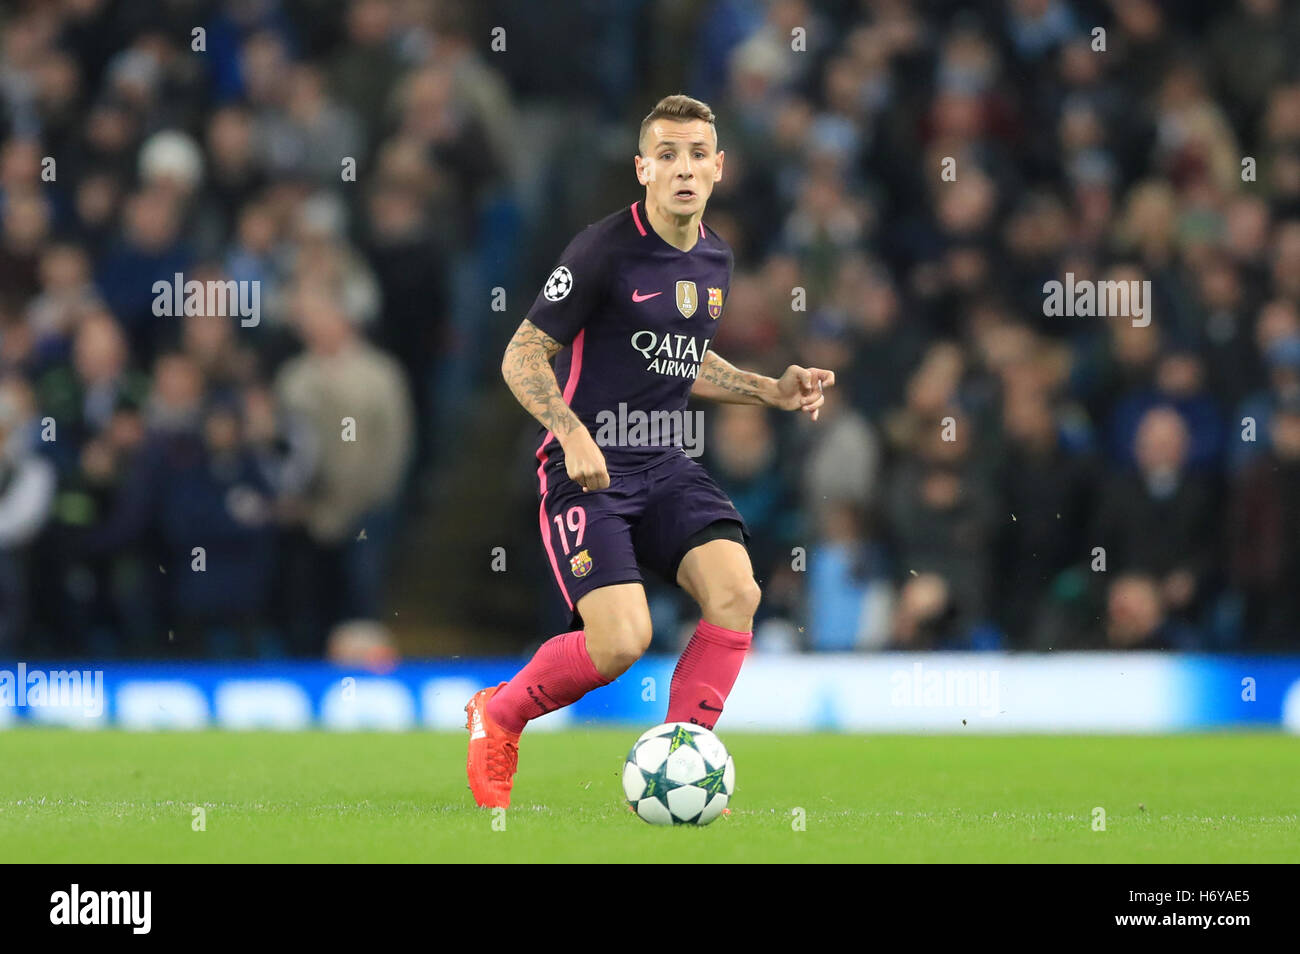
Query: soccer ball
[(679, 773)]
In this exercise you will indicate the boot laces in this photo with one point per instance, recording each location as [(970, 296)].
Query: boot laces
[(502, 760)]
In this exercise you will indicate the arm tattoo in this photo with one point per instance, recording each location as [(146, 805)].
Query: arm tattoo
[(724, 376), (527, 370)]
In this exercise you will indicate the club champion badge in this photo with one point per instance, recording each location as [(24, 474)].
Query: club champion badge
[(687, 299)]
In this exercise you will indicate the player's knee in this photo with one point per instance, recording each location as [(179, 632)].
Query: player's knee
[(736, 601), (615, 644)]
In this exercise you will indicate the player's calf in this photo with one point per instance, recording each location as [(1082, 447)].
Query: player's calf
[(706, 673), (718, 574), (566, 667), (560, 673)]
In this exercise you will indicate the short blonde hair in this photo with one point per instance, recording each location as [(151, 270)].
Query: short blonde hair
[(681, 108)]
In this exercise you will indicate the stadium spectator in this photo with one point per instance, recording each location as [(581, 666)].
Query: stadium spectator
[(850, 593), (941, 515), (27, 483), (1156, 521), (1264, 525), (356, 401), (1046, 488), (1136, 616), (744, 457), (215, 500)]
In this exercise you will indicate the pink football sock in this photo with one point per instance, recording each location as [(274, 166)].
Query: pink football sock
[(705, 674), (560, 673)]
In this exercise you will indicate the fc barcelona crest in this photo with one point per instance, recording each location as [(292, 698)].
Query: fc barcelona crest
[(580, 563), (715, 302), (687, 299)]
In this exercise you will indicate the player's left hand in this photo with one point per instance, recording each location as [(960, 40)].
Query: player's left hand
[(800, 389)]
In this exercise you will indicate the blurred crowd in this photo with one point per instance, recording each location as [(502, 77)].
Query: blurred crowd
[(199, 481), (987, 475), (984, 475)]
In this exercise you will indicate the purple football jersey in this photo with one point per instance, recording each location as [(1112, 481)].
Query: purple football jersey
[(637, 316)]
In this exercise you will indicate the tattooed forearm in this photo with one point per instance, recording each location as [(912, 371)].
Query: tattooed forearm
[(721, 381), (527, 370)]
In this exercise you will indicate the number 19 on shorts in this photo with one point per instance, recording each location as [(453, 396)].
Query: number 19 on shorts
[(576, 520)]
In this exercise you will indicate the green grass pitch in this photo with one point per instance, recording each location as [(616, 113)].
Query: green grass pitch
[(111, 796)]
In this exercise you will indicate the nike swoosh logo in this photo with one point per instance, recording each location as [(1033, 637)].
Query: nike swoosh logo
[(705, 705), (636, 296)]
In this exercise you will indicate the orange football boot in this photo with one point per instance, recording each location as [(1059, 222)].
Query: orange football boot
[(493, 753)]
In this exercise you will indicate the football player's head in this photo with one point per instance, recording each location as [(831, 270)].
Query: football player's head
[(679, 159)]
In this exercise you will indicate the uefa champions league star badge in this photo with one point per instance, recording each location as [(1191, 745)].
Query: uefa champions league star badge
[(559, 284)]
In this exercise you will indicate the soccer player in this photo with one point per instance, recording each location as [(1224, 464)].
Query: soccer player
[(630, 311)]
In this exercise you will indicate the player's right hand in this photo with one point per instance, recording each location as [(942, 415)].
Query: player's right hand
[(585, 462)]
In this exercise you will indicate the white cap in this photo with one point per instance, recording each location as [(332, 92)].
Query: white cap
[(171, 154)]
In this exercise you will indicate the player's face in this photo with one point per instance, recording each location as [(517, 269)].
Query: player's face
[(679, 164)]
